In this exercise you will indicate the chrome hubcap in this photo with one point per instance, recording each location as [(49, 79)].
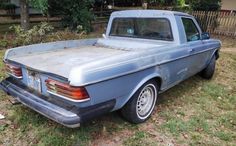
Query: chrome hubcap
[(146, 101)]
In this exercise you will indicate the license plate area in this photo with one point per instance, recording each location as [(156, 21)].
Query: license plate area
[(34, 81)]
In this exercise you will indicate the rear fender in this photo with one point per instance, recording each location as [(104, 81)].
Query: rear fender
[(143, 81)]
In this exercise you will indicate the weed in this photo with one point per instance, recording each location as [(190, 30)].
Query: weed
[(224, 136)]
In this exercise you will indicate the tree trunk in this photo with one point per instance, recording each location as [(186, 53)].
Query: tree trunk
[(24, 14)]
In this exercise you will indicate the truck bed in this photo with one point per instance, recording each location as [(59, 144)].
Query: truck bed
[(61, 61)]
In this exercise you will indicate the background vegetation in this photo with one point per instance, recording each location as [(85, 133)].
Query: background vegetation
[(75, 13)]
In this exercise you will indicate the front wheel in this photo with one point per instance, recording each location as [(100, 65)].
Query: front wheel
[(141, 105)]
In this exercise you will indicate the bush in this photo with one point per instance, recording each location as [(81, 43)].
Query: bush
[(186, 9), (74, 13), (64, 35), (3, 43), (205, 5), (31, 36), (41, 33)]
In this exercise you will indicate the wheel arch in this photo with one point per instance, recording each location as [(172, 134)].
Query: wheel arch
[(155, 77), (216, 53)]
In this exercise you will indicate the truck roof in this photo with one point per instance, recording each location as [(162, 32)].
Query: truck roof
[(140, 13)]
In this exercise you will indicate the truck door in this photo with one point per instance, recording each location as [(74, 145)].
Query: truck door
[(197, 48)]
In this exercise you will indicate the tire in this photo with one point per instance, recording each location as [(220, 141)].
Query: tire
[(136, 112), (208, 72)]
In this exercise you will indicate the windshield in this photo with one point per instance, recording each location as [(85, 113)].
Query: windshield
[(146, 28)]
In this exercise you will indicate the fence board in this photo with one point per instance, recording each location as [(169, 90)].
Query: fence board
[(223, 23)]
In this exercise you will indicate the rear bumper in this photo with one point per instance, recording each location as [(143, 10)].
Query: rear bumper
[(54, 112)]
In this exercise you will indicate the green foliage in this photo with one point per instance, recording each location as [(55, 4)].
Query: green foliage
[(3, 43), (205, 5), (40, 5), (74, 12), (180, 3), (139, 138), (156, 1), (161, 2), (34, 35), (224, 135), (3, 127)]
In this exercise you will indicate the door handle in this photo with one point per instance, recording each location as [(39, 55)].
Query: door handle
[(191, 50)]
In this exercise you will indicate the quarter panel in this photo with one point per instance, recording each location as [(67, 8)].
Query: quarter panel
[(121, 88)]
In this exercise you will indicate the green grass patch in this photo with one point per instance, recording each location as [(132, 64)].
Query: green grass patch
[(177, 126), (224, 135), (139, 138)]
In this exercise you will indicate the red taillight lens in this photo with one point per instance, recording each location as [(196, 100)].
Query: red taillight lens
[(65, 90), (14, 70)]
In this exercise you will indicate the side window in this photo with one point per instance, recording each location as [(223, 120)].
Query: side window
[(191, 30)]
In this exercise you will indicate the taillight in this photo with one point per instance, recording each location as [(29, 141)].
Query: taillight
[(65, 90), (14, 70)]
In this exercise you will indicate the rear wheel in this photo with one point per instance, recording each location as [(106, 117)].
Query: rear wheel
[(141, 105), (208, 72)]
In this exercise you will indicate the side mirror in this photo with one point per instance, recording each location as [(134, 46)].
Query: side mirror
[(205, 36)]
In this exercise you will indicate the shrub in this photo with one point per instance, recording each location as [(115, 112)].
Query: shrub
[(3, 43), (74, 13), (64, 35), (31, 36), (205, 5)]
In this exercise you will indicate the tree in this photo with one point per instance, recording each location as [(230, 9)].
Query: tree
[(180, 3), (75, 13), (41, 5), (24, 14), (205, 5), (24, 10)]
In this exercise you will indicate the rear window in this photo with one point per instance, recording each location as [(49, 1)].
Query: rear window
[(145, 28)]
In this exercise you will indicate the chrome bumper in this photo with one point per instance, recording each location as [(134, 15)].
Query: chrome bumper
[(50, 110), (54, 112)]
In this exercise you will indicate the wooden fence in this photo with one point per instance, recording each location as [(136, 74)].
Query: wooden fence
[(215, 22), (222, 23)]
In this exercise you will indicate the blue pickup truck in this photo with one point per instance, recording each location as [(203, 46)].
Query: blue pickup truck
[(142, 54)]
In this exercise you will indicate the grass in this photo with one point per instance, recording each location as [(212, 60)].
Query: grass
[(195, 112)]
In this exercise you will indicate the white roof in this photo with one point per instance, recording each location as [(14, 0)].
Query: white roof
[(151, 13)]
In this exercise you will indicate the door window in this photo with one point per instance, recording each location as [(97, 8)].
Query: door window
[(191, 30)]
